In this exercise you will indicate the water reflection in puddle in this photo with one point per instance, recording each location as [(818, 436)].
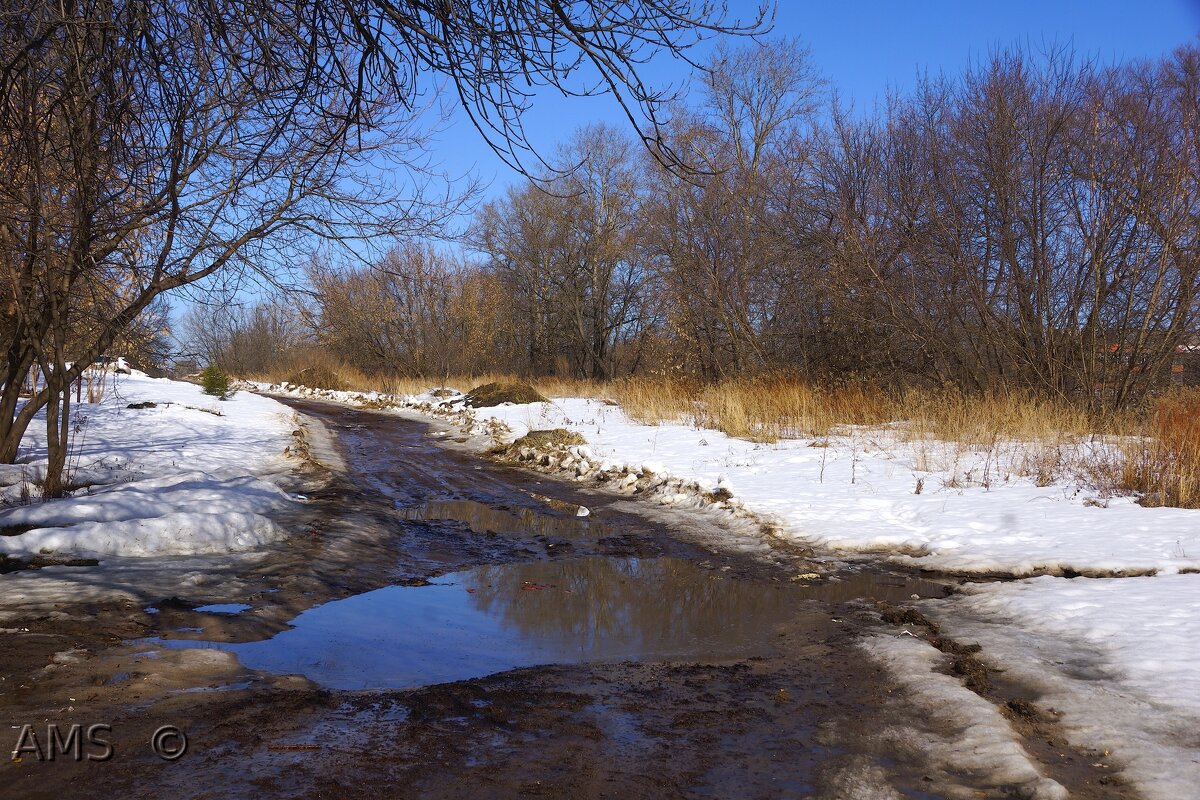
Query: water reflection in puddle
[(483, 518), (495, 618), (223, 608), (499, 617)]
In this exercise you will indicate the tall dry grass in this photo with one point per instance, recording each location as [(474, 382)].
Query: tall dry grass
[(1164, 466), (767, 408), (762, 408), (1154, 454), (316, 369)]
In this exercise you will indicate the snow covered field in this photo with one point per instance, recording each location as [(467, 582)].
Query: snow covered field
[(190, 475), (1117, 656)]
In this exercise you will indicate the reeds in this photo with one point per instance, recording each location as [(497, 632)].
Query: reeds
[(1164, 466)]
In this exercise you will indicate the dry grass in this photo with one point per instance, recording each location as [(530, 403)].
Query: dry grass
[(1155, 455), (351, 379), (554, 437), (762, 408), (1164, 467), (981, 419), (767, 408)]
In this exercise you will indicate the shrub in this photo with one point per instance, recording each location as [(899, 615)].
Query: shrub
[(1165, 467), (216, 382)]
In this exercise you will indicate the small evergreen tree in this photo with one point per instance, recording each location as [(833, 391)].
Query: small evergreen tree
[(216, 382)]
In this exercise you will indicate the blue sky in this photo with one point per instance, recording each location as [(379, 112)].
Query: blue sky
[(866, 48)]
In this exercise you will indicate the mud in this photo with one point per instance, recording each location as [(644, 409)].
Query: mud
[(446, 626)]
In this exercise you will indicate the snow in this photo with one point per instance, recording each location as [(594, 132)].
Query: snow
[(980, 743), (190, 476), (855, 492), (1116, 656)]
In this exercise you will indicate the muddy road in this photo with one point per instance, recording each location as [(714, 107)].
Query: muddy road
[(441, 625)]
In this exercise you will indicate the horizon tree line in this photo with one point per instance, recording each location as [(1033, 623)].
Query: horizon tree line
[(1032, 224)]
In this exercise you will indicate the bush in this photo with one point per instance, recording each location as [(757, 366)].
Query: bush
[(216, 382), (1165, 467)]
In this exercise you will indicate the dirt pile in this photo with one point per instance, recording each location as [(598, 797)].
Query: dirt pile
[(493, 394), (553, 438)]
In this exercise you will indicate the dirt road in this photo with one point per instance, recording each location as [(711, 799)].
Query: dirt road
[(441, 625)]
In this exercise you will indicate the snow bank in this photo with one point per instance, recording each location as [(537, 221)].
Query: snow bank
[(1117, 657), (173, 533), (183, 477), (927, 504)]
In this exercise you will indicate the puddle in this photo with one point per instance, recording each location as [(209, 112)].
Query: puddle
[(223, 608), (561, 505), (500, 617), (483, 518)]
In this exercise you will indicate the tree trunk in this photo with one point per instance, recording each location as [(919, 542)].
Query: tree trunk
[(58, 428)]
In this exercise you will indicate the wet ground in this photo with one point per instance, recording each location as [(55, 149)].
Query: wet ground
[(442, 625)]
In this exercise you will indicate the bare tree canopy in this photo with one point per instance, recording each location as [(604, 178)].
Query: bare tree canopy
[(146, 146), (1030, 225)]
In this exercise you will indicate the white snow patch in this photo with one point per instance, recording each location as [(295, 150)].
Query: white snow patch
[(173, 533), (184, 477), (857, 494), (1119, 657), (980, 741)]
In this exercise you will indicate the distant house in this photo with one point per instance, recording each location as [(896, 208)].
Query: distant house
[(1185, 368)]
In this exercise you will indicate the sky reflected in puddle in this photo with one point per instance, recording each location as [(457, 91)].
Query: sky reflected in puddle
[(499, 617), (495, 618), (223, 608)]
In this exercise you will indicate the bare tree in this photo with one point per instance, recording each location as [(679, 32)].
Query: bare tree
[(715, 233), (414, 312), (148, 145), (570, 252)]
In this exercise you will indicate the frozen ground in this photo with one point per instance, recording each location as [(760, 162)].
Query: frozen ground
[(190, 475)]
